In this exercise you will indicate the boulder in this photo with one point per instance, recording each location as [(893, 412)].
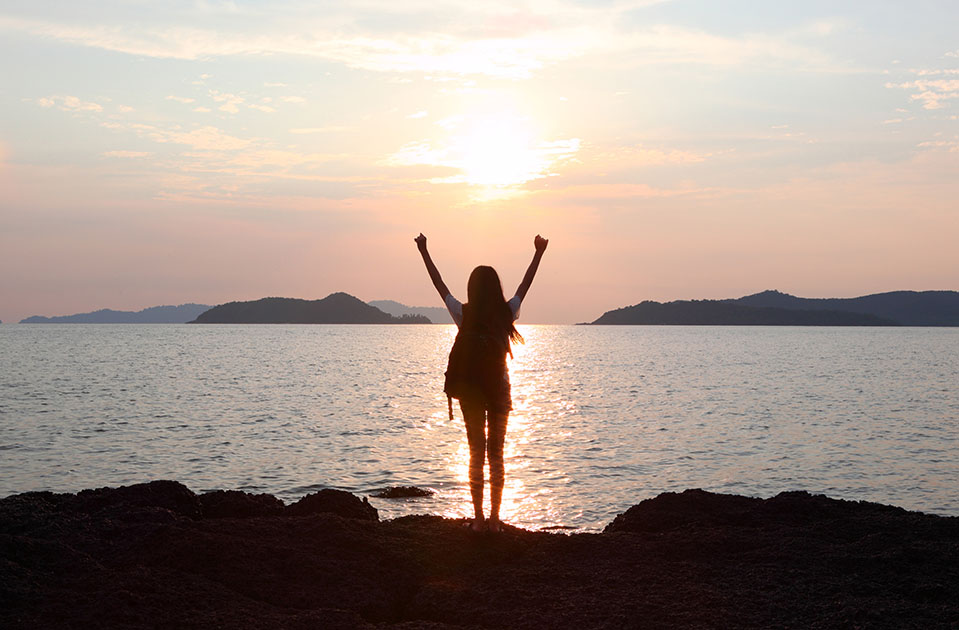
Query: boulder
[(333, 501)]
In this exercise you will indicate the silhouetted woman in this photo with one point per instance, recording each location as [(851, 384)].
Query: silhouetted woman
[(489, 317)]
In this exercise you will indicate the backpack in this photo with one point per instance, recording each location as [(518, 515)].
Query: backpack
[(476, 367)]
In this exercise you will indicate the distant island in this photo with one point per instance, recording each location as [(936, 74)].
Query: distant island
[(773, 308), (435, 314), (155, 315), (337, 308)]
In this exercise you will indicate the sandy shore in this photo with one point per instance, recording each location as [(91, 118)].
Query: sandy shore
[(158, 556)]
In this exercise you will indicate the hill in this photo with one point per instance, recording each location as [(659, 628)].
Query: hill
[(154, 315), (336, 308), (722, 313), (435, 314), (773, 308), (909, 308)]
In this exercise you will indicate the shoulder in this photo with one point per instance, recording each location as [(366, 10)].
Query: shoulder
[(514, 303), (455, 307)]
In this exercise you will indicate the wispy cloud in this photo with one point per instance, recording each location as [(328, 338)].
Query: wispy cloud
[(126, 154), (492, 39), (180, 99), (229, 102), (69, 104), (932, 93), (312, 130)]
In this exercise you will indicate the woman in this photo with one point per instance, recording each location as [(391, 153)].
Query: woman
[(488, 318)]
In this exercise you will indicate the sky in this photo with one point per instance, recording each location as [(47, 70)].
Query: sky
[(208, 151)]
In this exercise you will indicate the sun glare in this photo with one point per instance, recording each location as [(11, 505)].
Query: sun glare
[(496, 152)]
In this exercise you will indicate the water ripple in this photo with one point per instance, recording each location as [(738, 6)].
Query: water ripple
[(604, 417)]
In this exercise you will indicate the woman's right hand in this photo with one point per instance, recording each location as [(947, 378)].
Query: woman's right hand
[(420, 242), (539, 242)]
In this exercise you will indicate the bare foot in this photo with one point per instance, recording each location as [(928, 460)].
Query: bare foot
[(494, 526), (476, 525)]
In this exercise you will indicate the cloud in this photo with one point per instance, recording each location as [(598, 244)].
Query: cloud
[(180, 99), (69, 104), (312, 130), (124, 109), (950, 146), (202, 110), (292, 99), (230, 101), (932, 93), (203, 139), (488, 39), (263, 108), (126, 154), (420, 114)]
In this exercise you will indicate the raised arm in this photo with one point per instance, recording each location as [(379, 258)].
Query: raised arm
[(540, 244), (431, 268)]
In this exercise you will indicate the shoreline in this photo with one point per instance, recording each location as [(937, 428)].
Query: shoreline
[(158, 555)]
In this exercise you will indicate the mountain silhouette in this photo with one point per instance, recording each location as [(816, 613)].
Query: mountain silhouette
[(153, 315), (435, 314), (336, 308), (724, 313), (773, 308), (909, 308)]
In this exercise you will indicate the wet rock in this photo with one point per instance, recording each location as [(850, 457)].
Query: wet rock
[(403, 492), (333, 501), (237, 504)]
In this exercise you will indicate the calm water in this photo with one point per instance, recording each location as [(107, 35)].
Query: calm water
[(604, 416)]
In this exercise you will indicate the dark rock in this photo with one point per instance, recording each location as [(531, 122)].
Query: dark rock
[(335, 502), (691, 507), (689, 560), (170, 495), (237, 504), (403, 492)]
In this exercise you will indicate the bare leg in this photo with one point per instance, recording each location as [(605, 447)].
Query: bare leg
[(497, 472), (475, 418)]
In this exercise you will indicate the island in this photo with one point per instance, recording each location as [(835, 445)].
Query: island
[(157, 555), (336, 308), (435, 314), (773, 308), (154, 315)]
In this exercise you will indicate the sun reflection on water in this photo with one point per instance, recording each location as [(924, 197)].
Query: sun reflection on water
[(525, 505)]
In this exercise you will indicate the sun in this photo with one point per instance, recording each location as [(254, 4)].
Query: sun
[(498, 151), (492, 151)]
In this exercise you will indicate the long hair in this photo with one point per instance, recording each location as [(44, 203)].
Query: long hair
[(486, 307)]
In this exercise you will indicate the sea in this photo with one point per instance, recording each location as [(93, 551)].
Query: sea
[(604, 416)]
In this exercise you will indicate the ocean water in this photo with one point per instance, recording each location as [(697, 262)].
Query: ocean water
[(603, 416)]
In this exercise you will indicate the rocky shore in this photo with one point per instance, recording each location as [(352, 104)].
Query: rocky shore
[(157, 555)]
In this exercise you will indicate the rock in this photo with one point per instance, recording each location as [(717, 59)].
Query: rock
[(170, 495), (691, 507), (334, 501), (403, 492), (237, 504), (689, 560)]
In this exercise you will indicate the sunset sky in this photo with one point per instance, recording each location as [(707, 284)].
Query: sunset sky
[(169, 152)]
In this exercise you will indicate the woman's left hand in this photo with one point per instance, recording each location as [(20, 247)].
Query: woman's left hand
[(539, 243)]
